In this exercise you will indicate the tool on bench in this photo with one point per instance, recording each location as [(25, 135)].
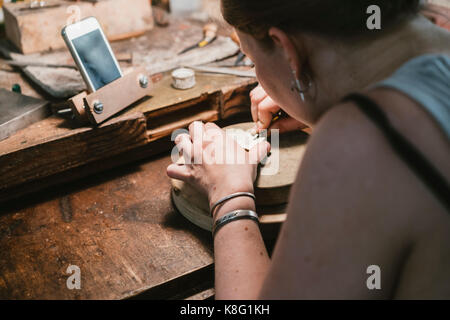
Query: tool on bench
[(240, 60), (218, 70), (38, 64), (210, 35), (277, 116)]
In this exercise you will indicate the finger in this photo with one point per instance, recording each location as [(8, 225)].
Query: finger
[(256, 96), (211, 125), (254, 110), (212, 132), (185, 146), (266, 109), (182, 136), (287, 124), (196, 131), (179, 172), (268, 105), (259, 152)]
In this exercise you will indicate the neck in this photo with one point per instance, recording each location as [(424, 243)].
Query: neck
[(340, 69)]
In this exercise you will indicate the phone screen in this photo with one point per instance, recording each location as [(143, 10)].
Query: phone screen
[(96, 59)]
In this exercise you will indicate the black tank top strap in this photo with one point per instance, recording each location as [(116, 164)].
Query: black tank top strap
[(422, 168)]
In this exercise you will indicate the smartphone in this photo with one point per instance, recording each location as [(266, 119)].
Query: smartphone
[(92, 53)]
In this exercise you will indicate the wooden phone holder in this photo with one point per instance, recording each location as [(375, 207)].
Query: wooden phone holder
[(98, 106)]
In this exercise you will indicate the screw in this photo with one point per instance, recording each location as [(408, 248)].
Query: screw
[(143, 81), (16, 88), (98, 107)]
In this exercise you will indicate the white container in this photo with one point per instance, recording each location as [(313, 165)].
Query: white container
[(183, 79), (185, 7)]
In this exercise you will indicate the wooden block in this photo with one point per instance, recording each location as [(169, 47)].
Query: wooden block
[(40, 30), (117, 95)]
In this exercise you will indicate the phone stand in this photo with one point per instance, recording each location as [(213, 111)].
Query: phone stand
[(100, 105)]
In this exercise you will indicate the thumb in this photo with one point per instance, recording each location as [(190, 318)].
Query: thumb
[(287, 125), (178, 172), (259, 152)]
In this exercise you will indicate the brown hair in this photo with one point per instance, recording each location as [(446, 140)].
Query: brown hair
[(335, 18)]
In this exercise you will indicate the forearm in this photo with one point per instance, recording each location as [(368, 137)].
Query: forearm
[(241, 259)]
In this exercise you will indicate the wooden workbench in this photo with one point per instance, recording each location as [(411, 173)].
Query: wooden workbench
[(108, 210), (119, 227)]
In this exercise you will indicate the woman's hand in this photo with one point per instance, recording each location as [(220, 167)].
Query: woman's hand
[(263, 109), (214, 163)]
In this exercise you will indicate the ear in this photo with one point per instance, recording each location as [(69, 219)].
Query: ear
[(284, 42)]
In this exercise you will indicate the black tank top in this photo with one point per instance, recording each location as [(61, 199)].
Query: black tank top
[(422, 168)]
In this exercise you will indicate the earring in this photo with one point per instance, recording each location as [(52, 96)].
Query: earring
[(296, 85)]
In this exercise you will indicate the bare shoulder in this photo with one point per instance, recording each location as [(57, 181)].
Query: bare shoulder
[(355, 204), (347, 146)]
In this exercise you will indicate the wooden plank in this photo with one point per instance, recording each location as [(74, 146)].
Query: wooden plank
[(169, 110), (40, 30), (44, 155), (191, 285), (207, 294)]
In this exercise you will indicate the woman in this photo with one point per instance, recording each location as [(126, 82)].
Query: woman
[(373, 186)]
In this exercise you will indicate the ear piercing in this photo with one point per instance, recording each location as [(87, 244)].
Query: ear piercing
[(296, 85)]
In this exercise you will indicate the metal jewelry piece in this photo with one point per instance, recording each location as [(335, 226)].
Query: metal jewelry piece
[(234, 216), (296, 85), (231, 196)]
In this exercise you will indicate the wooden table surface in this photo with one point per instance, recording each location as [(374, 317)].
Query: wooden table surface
[(119, 228)]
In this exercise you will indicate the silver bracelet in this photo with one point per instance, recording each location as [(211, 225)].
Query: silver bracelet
[(234, 216), (231, 196)]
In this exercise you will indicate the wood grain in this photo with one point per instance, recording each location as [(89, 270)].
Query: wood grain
[(50, 155), (118, 227)]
